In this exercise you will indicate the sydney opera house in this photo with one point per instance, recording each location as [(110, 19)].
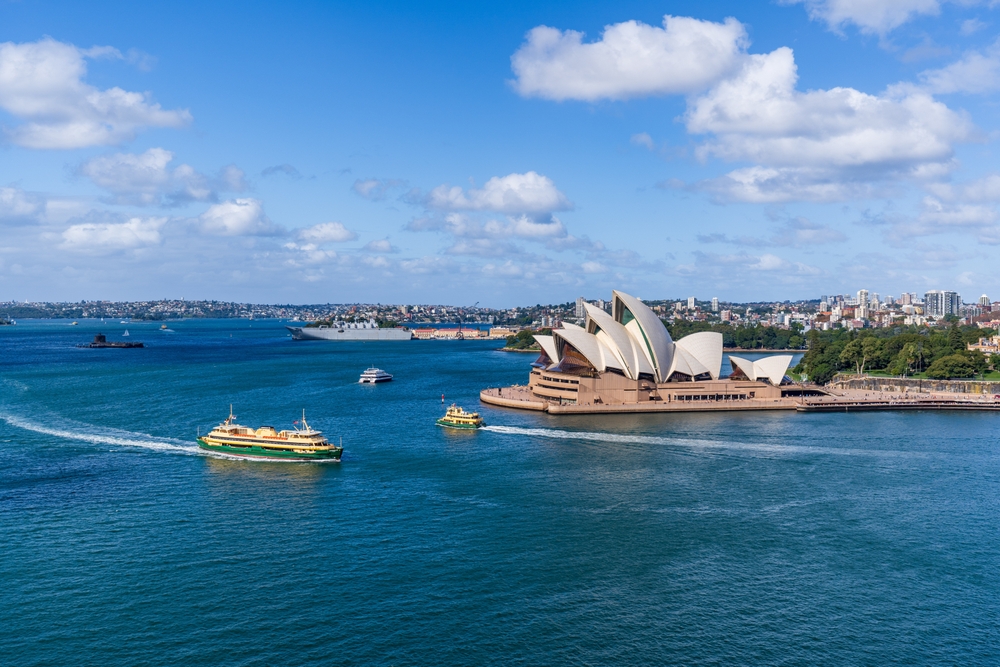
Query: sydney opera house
[(626, 361)]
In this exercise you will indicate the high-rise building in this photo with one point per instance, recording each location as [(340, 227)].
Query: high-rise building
[(581, 312), (938, 303), (861, 312), (823, 306), (715, 304), (691, 303), (984, 300)]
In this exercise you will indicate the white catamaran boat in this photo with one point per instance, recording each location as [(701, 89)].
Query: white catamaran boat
[(374, 375)]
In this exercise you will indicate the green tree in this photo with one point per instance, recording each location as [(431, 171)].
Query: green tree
[(951, 366)]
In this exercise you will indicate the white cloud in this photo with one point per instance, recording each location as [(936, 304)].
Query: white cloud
[(985, 189), (16, 204), (870, 16), (975, 72), (593, 267), (380, 246), (42, 84), (375, 189), (712, 265), (970, 26), (768, 185), (133, 233), (643, 139), (515, 194), (631, 59), (146, 179), (238, 217), (327, 232), (820, 144)]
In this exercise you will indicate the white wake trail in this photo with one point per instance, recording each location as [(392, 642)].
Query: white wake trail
[(97, 436), (691, 443)]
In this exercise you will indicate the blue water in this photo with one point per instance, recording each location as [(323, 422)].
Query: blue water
[(713, 539)]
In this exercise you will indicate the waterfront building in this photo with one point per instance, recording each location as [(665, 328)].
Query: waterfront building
[(627, 361)]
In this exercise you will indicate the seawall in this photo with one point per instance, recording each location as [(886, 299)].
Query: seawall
[(918, 386)]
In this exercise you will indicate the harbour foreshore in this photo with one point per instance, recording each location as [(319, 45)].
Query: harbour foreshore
[(520, 397)]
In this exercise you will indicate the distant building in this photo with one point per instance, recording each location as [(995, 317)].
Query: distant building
[(691, 303), (987, 346), (984, 301), (726, 315), (939, 303), (715, 304), (861, 312), (581, 311)]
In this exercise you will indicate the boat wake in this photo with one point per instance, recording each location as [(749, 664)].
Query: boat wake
[(690, 443), (103, 436)]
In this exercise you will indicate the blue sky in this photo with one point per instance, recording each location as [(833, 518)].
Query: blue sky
[(509, 153)]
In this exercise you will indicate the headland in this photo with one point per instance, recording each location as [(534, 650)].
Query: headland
[(626, 362)]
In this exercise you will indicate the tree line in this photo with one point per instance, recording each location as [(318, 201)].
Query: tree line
[(744, 338), (936, 353)]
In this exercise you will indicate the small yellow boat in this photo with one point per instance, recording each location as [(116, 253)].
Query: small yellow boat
[(456, 417)]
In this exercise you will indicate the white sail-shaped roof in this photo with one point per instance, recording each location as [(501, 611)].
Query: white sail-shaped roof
[(648, 330), (620, 340), (706, 348), (548, 345), (773, 368), (584, 343)]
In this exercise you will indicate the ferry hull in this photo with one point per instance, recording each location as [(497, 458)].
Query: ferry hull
[(448, 424), (258, 452)]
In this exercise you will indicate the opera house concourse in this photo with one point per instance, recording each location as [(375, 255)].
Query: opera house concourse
[(627, 362)]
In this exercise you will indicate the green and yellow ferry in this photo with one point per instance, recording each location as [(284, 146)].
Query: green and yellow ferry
[(299, 444), (456, 417)]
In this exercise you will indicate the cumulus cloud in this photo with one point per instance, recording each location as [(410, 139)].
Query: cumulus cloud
[(819, 144), (147, 179), (18, 205), (974, 72), (132, 233), (515, 194), (870, 16), (463, 226), (238, 217), (375, 189), (985, 189), (743, 264), (286, 169), (42, 84), (643, 139), (768, 185), (631, 59), (327, 232), (794, 232), (380, 246)]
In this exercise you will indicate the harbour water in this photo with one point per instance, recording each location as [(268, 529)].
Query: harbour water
[(708, 538)]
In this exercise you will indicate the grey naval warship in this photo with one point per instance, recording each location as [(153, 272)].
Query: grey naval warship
[(350, 331)]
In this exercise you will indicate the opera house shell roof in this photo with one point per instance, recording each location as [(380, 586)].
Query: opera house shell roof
[(632, 341)]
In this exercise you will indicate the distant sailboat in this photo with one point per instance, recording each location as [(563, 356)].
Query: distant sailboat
[(125, 334)]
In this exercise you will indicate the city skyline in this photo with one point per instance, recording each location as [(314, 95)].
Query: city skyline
[(390, 153)]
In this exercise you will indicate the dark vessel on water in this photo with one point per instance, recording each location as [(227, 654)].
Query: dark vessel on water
[(101, 341)]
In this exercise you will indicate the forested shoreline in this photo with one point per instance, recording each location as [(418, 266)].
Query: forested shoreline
[(939, 353)]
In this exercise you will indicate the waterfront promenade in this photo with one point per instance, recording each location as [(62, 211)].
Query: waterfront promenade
[(834, 400)]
